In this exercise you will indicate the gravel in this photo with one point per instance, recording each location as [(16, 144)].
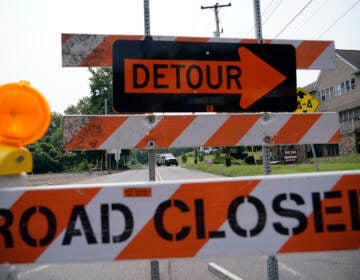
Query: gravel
[(50, 179)]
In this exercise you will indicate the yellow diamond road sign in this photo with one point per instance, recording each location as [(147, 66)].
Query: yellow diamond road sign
[(306, 102)]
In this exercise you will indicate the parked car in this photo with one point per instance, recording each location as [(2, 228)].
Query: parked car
[(166, 159)]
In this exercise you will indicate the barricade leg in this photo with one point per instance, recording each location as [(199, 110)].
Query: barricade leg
[(272, 268), (155, 275)]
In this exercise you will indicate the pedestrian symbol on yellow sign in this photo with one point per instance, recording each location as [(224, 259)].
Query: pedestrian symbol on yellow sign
[(306, 102)]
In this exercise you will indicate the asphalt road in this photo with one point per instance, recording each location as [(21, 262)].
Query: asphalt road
[(318, 266), (163, 173)]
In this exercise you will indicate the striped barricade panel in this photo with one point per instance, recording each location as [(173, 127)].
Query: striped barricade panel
[(218, 217), (87, 50), (192, 130)]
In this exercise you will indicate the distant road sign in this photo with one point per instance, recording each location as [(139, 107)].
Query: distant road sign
[(177, 219), (160, 76), (306, 102)]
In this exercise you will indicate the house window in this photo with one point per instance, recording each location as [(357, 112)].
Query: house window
[(344, 116), (338, 90), (352, 82), (347, 85), (356, 113), (349, 114), (326, 94), (342, 88), (332, 92), (321, 95)]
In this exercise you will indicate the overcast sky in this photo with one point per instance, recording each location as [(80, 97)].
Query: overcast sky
[(30, 32)]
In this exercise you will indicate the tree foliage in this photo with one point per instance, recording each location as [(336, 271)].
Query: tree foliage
[(48, 153), (83, 107), (101, 90)]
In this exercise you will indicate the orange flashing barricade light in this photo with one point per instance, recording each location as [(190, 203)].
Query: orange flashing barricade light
[(24, 118)]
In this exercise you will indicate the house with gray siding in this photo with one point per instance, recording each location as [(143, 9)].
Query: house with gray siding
[(338, 90)]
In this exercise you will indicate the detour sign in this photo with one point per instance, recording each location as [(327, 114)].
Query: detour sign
[(161, 76), (219, 217)]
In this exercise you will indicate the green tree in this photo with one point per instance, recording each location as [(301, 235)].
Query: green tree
[(46, 157), (101, 100), (48, 153), (124, 158), (83, 107), (55, 124), (101, 90), (54, 133)]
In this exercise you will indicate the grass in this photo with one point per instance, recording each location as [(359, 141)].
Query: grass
[(346, 162)]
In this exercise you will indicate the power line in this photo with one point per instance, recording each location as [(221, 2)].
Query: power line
[(311, 16), (337, 20), (263, 23), (291, 21), (267, 7), (262, 14)]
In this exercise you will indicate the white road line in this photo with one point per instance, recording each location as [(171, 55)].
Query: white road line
[(34, 270), (292, 271), (222, 272), (158, 176)]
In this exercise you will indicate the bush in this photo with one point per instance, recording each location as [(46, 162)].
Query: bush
[(184, 158), (250, 160), (201, 156), (218, 158), (84, 166)]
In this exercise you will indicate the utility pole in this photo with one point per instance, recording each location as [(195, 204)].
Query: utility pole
[(217, 35), (216, 11)]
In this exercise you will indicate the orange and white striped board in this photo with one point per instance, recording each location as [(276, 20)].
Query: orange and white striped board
[(90, 50), (177, 219), (200, 129)]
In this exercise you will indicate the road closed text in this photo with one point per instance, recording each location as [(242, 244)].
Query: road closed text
[(333, 212)]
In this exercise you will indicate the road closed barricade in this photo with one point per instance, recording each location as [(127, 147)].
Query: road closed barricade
[(218, 217), (199, 129)]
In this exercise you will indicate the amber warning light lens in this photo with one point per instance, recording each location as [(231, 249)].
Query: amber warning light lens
[(24, 114)]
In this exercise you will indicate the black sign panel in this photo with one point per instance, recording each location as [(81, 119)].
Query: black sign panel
[(163, 76)]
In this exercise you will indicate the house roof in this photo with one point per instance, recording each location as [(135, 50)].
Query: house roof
[(350, 56), (310, 87)]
